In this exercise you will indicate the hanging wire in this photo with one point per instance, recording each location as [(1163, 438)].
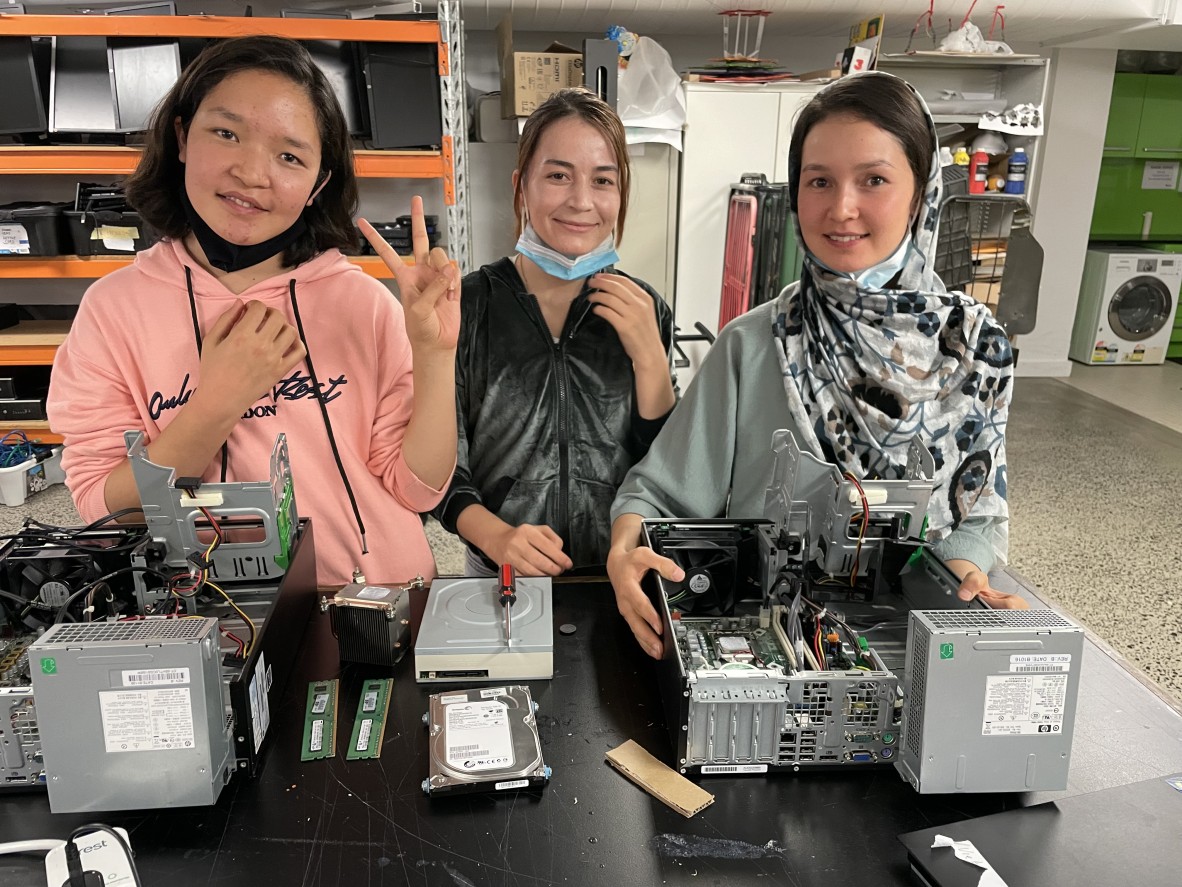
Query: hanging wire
[(998, 14), (926, 18)]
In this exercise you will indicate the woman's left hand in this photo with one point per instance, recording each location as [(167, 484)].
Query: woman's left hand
[(629, 309), (976, 584), (429, 289)]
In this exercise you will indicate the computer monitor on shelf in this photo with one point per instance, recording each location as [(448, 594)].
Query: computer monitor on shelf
[(101, 85), (24, 71), (143, 9), (313, 13), (402, 94)]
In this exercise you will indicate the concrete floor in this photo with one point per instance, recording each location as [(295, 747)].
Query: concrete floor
[(1093, 491)]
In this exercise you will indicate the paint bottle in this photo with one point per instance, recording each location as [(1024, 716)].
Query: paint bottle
[(961, 157), (1016, 177), (978, 172)]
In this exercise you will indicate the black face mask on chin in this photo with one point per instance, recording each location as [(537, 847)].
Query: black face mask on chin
[(227, 256)]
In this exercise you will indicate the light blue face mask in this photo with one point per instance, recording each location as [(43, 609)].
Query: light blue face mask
[(876, 276), (562, 266)]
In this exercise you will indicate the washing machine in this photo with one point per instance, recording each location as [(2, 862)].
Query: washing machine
[(1126, 307)]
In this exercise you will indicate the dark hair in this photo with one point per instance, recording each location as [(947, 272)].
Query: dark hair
[(153, 189), (887, 102), (590, 108)]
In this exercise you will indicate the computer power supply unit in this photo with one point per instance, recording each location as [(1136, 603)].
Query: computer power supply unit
[(990, 700), (132, 714)]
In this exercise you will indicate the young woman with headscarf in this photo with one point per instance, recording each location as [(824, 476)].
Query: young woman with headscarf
[(867, 351)]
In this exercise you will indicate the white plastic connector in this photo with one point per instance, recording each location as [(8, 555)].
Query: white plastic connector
[(874, 496), (203, 499)]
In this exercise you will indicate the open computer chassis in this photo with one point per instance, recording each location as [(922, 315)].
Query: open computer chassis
[(738, 696), (279, 609), (42, 567)]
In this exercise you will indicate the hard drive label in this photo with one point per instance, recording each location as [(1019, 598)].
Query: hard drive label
[(452, 698), (513, 783), (492, 692), (479, 736)]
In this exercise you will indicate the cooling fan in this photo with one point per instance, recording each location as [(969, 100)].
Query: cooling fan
[(37, 581), (711, 570)]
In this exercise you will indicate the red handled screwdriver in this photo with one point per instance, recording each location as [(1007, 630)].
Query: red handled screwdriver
[(508, 598)]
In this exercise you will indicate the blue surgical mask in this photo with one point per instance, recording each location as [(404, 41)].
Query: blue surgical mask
[(562, 266), (876, 276)]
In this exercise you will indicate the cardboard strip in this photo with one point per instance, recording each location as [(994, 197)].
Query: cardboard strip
[(660, 781)]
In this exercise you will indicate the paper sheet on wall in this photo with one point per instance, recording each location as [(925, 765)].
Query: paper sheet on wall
[(1159, 175)]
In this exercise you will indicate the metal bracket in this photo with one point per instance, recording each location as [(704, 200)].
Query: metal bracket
[(258, 550)]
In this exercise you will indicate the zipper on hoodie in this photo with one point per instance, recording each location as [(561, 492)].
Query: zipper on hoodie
[(558, 360)]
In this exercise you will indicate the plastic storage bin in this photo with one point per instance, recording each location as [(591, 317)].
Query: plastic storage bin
[(31, 476), (108, 233), (32, 229)]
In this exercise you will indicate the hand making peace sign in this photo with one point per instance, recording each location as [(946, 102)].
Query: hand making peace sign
[(429, 289)]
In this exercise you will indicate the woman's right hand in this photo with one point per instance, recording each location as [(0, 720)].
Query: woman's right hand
[(533, 550), (625, 569), (247, 352)]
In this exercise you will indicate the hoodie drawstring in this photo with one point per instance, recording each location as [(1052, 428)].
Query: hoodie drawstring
[(295, 309), (197, 335)]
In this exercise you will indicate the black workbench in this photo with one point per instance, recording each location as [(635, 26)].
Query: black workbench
[(368, 822)]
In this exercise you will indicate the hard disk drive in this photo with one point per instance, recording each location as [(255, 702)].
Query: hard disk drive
[(484, 740)]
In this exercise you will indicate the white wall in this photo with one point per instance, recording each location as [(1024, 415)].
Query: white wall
[(1077, 112)]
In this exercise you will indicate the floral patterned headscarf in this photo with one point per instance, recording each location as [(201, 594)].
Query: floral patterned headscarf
[(868, 369)]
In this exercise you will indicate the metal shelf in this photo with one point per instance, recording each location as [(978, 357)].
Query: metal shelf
[(85, 161), (94, 267)]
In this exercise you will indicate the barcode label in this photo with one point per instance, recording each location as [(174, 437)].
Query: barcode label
[(370, 701), (512, 783), (149, 677), (462, 751), (320, 703), (734, 768), (363, 735), (1040, 669), (317, 741)]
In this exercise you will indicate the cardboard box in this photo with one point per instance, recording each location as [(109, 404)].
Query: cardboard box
[(529, 78)]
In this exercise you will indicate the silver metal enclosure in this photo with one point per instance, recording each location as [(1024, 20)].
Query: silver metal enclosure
[(990, 700), (809, 498), (133, 715), (172, 515)]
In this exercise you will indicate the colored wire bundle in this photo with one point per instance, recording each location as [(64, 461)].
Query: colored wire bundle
[(861, 530), (16, 449), (186, 585)]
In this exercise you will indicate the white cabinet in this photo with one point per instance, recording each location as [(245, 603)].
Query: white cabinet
[(730, 130), (650, 231)]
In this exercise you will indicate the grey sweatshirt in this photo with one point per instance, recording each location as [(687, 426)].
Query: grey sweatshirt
[(714, 455)]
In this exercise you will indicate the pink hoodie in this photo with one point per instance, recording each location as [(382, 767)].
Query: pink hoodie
[(130, 362)]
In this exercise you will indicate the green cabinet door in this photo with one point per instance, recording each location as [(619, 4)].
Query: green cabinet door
[(1160, 134), (1125, 211), (1124, 115)]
